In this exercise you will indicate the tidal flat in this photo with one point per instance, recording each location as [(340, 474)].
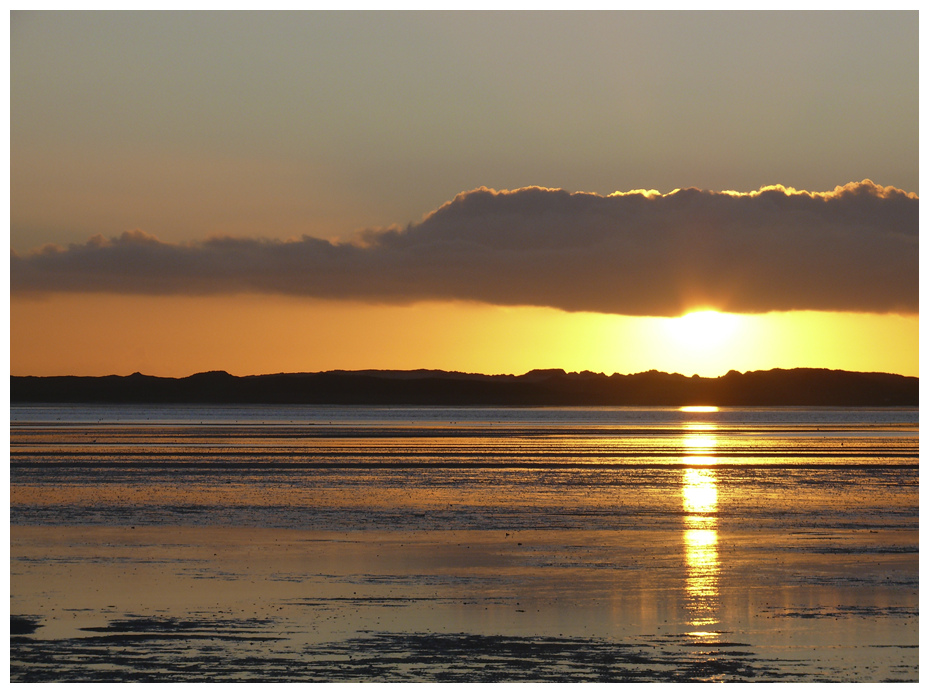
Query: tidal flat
[(305, 544)]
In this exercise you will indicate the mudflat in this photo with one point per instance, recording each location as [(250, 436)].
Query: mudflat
[(266, 543), (157, 603)]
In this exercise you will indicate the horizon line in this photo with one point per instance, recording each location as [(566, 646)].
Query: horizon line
[(410, 371)]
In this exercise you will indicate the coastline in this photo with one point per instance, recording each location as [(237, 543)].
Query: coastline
[(794, 387)]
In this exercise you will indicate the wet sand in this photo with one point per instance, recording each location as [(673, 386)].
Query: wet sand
[(161, 603), (368, 544)]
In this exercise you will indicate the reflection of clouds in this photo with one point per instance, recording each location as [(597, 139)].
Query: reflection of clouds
[(699, 501)]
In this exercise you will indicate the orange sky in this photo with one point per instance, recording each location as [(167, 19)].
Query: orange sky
[(176, 336)]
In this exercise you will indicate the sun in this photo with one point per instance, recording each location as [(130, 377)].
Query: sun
[(703, 329)]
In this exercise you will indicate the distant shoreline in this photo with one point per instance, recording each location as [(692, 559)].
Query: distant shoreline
[(778, 387)]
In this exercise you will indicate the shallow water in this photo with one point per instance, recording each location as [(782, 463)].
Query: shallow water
[(391, 543)]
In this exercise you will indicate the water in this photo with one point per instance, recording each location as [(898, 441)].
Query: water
[(479, 468), (628, 544), (318, 414)]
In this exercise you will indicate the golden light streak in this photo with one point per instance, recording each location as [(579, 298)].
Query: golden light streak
[(699, 442), (699, 409), (699, 497), (699, 501)]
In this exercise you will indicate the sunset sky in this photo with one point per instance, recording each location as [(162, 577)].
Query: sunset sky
[(483, 192)]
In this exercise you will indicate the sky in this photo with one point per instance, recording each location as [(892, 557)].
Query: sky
[(484, 192)]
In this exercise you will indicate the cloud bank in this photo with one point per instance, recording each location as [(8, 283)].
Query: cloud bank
[(638, 253)]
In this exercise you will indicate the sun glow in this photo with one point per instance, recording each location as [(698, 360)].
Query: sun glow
[(181, 335), (703, 329)]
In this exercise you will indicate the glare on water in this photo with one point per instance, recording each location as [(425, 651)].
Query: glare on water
[(649, 526), (699, 499)]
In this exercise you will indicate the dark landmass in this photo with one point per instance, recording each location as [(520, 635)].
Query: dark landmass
[(796, 387)]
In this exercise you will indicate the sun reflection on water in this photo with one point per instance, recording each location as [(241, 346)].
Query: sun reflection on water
[(699, 443), (699, 499)]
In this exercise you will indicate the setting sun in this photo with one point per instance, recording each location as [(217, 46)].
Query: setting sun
[(703, 329)]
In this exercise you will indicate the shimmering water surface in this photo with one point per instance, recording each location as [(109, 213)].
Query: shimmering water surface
[(627, 544)]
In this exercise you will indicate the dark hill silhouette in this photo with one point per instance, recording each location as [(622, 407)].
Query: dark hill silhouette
[(796, 387)]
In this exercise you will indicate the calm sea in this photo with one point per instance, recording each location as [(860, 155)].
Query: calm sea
[(347, 468)]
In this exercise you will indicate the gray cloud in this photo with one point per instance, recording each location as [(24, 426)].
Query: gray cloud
[(638, 253)]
